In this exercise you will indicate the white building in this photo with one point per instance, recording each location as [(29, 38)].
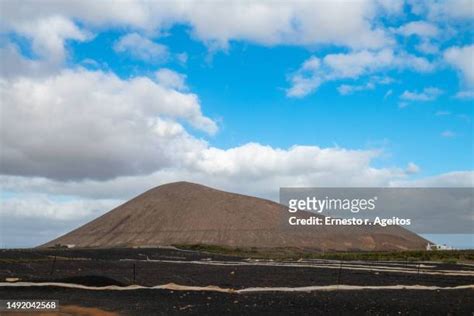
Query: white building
[(438, 247)]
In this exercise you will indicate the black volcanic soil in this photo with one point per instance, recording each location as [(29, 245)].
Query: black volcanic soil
[(165, 302), (100, 267), (190, 268)]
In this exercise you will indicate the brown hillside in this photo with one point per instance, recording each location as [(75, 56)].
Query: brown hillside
[(187, 213)]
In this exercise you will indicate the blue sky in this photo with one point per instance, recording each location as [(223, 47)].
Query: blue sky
[(244, 89), (99, 104)]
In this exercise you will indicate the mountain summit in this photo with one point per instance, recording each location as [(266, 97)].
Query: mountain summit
[(188, 213)]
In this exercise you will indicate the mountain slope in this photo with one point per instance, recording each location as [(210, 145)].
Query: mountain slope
[(187, 213)]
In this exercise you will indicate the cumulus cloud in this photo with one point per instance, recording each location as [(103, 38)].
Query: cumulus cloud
[(314, 71), (142, 48), (462, 59), (251, 168), (13, 64), (47, 34), (101, 126), (451, 179), (460, 9), (353, 65), (49, 24), (44, 206), (418, 28), (426, 32), (257, 161), (442, 10), (428, 94), (171, 79), (29, 220), (298, 22), (103, 131), (306, 79), (427, 47)]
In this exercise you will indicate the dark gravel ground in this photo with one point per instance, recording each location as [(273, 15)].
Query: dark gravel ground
[(165, 302), (160, 253), (36, 266), (112, 254), (106, 267), (152, 273)]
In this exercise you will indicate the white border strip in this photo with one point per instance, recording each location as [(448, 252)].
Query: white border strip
[(211, 288)]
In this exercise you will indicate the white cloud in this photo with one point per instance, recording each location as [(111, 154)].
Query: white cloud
[(171, 79), (428, 94), (34, 206), (448, 134), (251, 168), (465, 94), (142, 48), (353, 65), (462, 58), (418, 28), (314, 71), (463, 9), (388, 93), (412, 168), (100, 126), (14, 64), (306, 79), (299, 22), (103, 127), (450, 179), (30, 219), (346, 89), (402, 105), (182, 58), (392, 7), (47, 34), (416, 63), (218, 22), (441, 10), (427, 47), (426, 32), (257, 161)]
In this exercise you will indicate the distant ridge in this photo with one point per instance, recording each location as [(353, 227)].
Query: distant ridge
[(189, 213)]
